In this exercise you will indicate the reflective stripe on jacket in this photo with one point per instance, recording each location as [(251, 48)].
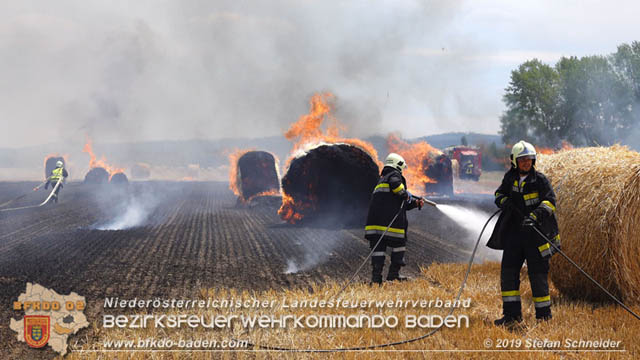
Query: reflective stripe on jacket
[(533, 195), (386, 199)]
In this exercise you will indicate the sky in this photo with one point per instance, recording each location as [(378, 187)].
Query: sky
[(127, 71)]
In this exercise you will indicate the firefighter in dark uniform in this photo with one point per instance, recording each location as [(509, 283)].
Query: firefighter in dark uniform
[(526, 199), (388, 196), (57, 174)]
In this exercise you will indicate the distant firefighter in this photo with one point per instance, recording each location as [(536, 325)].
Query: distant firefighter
[(57, 174), (388, 208)]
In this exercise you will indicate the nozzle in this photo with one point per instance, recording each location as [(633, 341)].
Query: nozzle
[(429, 202)]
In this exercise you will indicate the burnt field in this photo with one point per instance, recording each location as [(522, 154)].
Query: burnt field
[(194, 236)]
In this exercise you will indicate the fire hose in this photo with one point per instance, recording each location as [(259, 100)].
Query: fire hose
[(23, 195), (400, 342), (33, 206)]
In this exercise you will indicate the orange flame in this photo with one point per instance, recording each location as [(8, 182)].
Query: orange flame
[(418, 157), (565, 145), (272, 192), (306, 132), (308, 129), (94, 162)]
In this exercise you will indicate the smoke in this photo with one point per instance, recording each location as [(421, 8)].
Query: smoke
[(126, 208), (315, 246), (136, 212), (191, 69), (472, 220)]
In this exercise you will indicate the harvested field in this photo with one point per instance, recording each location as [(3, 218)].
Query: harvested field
[(194, 238), (558, 339)]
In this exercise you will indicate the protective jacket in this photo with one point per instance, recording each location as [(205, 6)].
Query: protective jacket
[(57, 174), (386, 200), (534, 195)]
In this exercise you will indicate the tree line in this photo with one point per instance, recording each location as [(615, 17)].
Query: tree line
[(587, 101)]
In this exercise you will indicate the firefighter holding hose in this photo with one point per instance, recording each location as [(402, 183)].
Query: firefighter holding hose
[(526, 199), (388, 215), (57, 174)]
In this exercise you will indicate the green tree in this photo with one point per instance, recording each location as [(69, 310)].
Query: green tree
[(593, 100), (531, 100)]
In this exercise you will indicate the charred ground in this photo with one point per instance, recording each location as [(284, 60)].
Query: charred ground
[(196, 237)]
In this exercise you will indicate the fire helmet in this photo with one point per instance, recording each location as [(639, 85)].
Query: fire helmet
[(522, 149), (59, 164), (395, 161)]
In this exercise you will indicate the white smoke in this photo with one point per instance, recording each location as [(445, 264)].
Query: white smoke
[(292, 268), (134, 211)]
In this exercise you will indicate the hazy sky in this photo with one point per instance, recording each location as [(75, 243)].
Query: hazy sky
[(152, 70)]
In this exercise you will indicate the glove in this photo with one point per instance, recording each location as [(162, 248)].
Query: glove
[(530, 220), (420, 203), (505, 202)]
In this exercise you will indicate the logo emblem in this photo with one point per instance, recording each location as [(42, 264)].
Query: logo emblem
[(36, 330)]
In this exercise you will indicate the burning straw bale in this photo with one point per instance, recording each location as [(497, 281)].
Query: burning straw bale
[(331, 182), (97, 175), (119, 179), (598, 208), (257, 174)]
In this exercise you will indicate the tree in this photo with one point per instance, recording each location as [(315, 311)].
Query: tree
[(531, 104), (593, 100)]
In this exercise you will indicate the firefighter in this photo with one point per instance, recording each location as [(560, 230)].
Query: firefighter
[(468, 169), (388, 196), (56, 174), (526, 199)]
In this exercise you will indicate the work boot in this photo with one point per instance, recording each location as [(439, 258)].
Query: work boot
[(377, 264), (394, 273), (399, 278), (508, 321), (543, 318)]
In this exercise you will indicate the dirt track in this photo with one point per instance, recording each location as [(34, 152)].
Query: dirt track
[(196, 237)]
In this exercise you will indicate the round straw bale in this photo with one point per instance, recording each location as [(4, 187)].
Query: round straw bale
[(598, 210)]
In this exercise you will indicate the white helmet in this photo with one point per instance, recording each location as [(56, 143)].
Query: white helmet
[(59, 164), (395, 161), (522, 149)]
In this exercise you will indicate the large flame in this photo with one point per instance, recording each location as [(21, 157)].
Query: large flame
[(307, 132), (94, 162), (418, 157)]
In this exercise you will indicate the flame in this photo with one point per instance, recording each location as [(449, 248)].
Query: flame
[(418, 157), (187, 178), (565, 145), (308, 131), (272, 192), (233, 171), (94, 162)]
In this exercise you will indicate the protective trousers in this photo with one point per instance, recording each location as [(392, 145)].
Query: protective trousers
[(538, 268), (378, 256)]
